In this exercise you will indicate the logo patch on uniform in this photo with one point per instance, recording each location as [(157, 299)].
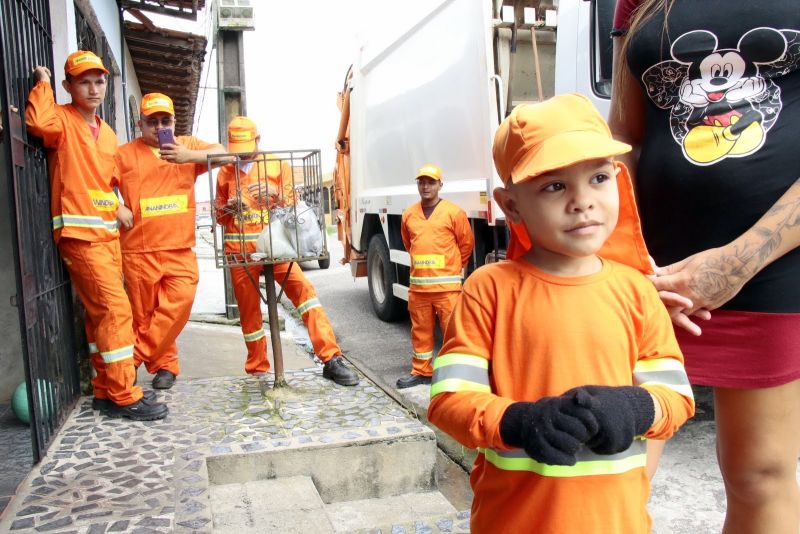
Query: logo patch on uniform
[(429, 261), (168, 205), (103, 201)]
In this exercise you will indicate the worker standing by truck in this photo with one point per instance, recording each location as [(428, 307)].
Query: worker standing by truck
[(437, 235)]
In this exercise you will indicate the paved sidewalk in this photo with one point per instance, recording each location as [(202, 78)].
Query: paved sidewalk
[(111, 475)]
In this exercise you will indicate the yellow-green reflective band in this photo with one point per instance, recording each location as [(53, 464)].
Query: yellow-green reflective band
[(588, 464), (433, 280), (92, 348), (112, 356), (467, 373), (424, 355), (454, 385), (254, 336), (241, 237), (307, 305), (83, 221), (666, 372), (457, 358)]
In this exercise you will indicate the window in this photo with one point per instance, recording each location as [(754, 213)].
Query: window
[(602, 45)]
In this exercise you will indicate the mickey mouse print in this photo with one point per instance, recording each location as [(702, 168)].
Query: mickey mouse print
[(722, 101)]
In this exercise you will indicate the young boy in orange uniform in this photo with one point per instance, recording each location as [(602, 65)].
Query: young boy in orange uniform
[(244, 228), (557, 363), (81, 149), (437, 236), (161, 275)]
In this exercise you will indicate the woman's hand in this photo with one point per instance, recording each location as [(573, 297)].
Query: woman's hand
[(677, 306), (709, 278)]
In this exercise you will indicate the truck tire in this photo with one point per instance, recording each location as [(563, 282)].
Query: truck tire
[(324, 264), (380, 277)]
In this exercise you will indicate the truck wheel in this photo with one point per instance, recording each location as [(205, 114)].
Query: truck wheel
[(380, 277), (324, 264)]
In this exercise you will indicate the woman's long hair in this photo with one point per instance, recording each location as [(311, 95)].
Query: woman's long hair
[(646, 10)]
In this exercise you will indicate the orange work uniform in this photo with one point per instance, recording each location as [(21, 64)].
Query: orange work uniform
[(84, 210), (520, 334), (440, 247), (161, 273), (240, 234)]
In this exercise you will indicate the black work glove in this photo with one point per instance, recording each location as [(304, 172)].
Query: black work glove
[(622, 413), (552, 429)]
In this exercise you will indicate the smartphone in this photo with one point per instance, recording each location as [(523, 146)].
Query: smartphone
[(165, 137)]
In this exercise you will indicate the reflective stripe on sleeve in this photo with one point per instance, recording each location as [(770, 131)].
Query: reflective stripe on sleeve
[(255, 336), (116, 355), (666, 372), (455, 372), (434, 280), (307, 305), (588, 463)]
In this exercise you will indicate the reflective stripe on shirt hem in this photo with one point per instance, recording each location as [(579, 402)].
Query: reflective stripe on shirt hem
[(588, 463), (83, 221), (434, 280)]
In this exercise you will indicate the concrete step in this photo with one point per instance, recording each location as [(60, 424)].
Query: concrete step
[(292, 505)]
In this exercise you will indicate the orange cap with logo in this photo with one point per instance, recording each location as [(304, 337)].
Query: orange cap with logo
[(242, 133), (156, 103), (564, 130), (431, 171), (82, 60)]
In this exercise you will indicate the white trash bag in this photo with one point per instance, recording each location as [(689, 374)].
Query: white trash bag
[(276, 245), (302, 227)]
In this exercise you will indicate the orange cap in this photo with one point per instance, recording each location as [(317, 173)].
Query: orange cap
[(431, 171), (561, 131), (82, 60), (156, 103), (242, 133)]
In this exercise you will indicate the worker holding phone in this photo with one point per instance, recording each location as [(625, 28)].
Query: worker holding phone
[(157, 176)]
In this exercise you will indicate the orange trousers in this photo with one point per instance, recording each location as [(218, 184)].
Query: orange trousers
[(424, 308), (302, 294), (161, 286), (96, 273)]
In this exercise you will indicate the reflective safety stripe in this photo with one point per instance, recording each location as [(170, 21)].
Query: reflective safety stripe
[(424, 355), (92, 348), (307, 305), (588, 463), (666, 372), (83, 221), (460, 372), (112, 356), (254, 336), (433, 280), (241, 237)]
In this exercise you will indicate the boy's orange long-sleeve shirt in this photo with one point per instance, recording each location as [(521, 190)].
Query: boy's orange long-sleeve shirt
[(241, 231), (519, 334), (82, 170), (161, 196), (439, 246)]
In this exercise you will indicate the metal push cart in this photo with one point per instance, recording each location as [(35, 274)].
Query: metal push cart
[(268, 209)]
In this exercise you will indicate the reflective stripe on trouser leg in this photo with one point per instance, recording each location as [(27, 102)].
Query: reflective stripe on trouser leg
[(302, 294), (423, 321), (249, 301), (99, 366), (96, 273), (161, 286)]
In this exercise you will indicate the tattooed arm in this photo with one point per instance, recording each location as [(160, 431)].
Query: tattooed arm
[(713, 277)]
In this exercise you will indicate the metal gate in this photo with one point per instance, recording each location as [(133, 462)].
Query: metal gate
[(44, 296)]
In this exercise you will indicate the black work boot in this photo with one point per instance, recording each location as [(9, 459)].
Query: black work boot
[(163, 379), (139, 411), (412, 380), (102, 405), (335, 369)]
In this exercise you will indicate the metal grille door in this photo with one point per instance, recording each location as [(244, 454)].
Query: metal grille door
[(44, 295)]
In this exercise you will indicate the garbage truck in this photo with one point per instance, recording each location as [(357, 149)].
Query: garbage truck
[(434, 93)]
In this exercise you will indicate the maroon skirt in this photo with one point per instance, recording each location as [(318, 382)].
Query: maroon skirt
[(743, 350)]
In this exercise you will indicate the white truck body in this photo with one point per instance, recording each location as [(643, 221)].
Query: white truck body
[(436, 95)]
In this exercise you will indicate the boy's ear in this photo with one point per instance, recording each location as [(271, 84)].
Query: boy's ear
[(66, 86), (507, 201)]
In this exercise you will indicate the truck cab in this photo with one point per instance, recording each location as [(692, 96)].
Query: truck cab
[(435, 93)]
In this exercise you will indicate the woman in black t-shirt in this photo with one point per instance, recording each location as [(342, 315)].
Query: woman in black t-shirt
[(711, 99)]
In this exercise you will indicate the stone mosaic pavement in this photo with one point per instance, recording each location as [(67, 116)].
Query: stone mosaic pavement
[(16, 459), (110, 475)]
